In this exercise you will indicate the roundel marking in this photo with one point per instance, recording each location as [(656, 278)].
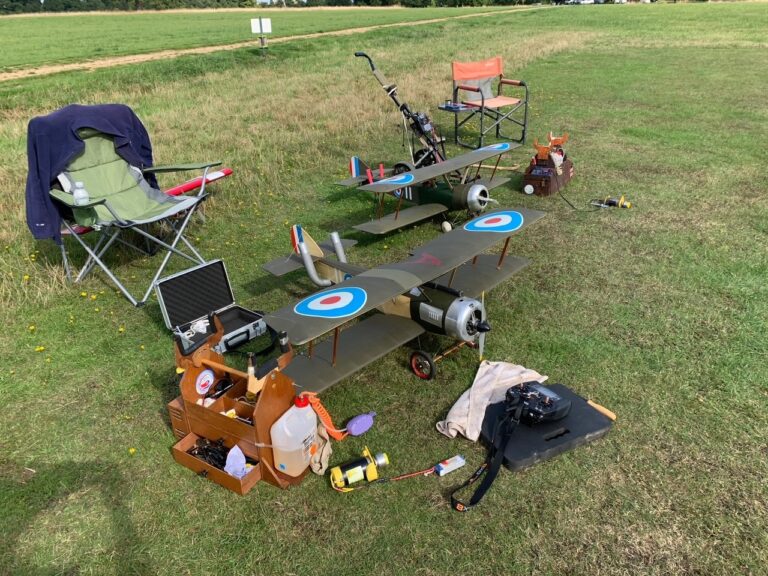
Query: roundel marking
[(502, 222), (500, 147), (204, 381), (404, 178), (336, 303)]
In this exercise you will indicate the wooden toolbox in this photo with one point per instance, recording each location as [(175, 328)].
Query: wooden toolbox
[(203, 371)]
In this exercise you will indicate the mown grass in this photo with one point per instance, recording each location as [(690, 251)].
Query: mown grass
[(36, 40), (657, 312)]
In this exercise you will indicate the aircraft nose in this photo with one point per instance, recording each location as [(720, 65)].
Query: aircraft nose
[(483, 327)]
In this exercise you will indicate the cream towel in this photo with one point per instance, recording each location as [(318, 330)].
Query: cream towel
[(490, 386)]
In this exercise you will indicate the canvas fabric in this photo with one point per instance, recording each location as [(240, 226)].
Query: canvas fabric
[(489, 387), (106, 175)]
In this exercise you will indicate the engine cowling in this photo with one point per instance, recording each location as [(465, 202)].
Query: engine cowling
[(455, 316), (477, 198)]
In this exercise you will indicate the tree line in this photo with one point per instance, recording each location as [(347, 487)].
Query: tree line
[(21, 6)]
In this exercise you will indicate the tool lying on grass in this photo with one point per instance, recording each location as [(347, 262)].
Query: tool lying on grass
[(367, 468), (610, 202)]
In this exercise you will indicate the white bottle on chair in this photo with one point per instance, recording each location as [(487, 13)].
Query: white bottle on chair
[(80, 194)]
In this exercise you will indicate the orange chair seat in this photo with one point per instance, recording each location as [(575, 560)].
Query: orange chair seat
[(497, 102)]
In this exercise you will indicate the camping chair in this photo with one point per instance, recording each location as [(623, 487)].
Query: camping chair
[(475, 81), (121, 200)]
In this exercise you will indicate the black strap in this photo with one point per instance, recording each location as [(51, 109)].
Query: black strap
[(505, 426)]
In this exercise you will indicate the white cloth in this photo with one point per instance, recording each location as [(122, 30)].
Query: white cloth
[(321, 457), (490, 386)]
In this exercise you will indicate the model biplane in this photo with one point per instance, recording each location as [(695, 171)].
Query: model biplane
[(428, 180), (454, 184), (438, 289)]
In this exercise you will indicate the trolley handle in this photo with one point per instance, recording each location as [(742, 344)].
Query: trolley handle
[(370, 62), (378, 75)]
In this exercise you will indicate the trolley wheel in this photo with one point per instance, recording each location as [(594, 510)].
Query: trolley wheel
[(423, 365), (424, 157)]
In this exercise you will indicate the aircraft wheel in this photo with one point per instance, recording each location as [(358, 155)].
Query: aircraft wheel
[(402, 167), (423, 365)]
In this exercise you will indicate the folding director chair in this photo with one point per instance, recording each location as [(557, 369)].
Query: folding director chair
[(473, 87), (120, 199)]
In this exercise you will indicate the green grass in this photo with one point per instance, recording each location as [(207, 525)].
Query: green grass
[(658, 312), (43, 40)]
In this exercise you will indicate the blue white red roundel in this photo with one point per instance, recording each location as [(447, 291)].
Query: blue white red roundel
[(500, 147), (336, 303), (404, 178), (204, 381), (505, 221)]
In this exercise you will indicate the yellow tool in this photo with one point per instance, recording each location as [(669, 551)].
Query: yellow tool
[(610, 202), (365, 468)]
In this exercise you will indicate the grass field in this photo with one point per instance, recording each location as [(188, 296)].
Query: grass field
[(658, 312), (36, 40)]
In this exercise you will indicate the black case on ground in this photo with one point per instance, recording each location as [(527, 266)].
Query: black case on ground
[(531, 444), (196, 293)]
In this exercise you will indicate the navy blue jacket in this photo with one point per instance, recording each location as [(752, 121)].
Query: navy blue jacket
[(52, 142)]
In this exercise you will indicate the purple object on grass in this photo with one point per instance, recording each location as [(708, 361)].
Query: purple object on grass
[(360, 424)]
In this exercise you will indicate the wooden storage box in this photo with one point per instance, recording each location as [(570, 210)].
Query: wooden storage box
[(239, 485), (545, 180)]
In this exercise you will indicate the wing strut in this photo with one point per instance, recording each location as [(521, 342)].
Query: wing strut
[(336, 332), (503, 253)]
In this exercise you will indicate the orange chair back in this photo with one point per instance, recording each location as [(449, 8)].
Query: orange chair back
[(477, 70)]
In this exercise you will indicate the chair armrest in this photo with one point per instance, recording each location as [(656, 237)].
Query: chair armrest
[(468, 88), (69, 200), (510, 82), (180, 167)]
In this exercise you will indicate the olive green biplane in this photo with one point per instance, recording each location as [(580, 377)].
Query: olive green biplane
[(438, 289)]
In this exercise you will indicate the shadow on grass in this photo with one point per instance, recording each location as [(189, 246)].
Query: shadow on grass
[(25, 495)]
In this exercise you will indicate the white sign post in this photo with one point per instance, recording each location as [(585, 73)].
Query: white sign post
[(261, 26)]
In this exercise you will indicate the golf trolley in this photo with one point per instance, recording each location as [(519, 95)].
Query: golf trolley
[(426, 146)]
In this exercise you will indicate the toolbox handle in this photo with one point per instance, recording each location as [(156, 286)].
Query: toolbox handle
[(235, 341)]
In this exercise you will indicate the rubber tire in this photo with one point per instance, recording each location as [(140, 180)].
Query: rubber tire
[(402, 167), (423, 365), (419, 154)]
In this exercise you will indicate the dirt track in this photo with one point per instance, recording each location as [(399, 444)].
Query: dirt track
[(165, 54)]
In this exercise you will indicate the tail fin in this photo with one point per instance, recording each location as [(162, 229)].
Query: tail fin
[(357, 167), (298, 235)]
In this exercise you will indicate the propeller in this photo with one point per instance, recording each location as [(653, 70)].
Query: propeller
[(483, 327)]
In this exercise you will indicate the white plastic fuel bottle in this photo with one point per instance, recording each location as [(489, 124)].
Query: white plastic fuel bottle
[(294, 437)]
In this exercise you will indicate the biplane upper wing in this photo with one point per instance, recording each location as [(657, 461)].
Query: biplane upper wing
[(330, 308), (439, 169)]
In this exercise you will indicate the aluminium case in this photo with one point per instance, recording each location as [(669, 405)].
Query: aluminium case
[(195, 294)]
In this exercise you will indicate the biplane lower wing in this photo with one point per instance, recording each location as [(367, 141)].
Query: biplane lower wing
[(438, 169), (482, 274), (357, 346), (330, 308), (404, 217)]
